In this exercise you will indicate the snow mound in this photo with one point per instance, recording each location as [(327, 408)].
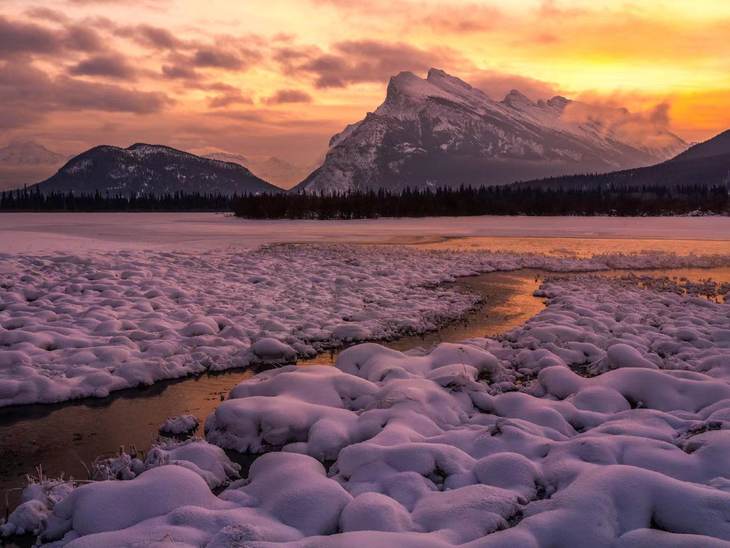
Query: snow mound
[(180, 425), (74, 326), (601, 422), (208, 461)]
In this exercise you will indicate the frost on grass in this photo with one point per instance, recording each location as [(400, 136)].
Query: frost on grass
[(180, 425), (85, 325), (42, 495), (604, 422)]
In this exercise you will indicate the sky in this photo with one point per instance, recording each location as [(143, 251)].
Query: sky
[(280, 77)]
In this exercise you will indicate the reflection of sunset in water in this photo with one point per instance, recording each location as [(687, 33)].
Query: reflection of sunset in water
[(580, 247)]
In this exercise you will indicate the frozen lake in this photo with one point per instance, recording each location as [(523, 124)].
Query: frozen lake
[(44, 232)]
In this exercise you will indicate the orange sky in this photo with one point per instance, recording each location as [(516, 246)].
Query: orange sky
[(279, 77)]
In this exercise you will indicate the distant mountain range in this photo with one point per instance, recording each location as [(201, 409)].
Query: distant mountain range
[(270, 168), (143, 168), (703, 164), (432, 132), (29, 153), (440, 131), (25, 162)]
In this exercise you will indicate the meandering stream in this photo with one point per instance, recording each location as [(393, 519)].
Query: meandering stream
[(66, 438)]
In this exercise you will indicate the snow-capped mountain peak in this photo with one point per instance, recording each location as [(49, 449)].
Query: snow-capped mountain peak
[(516, 99), (407, 92), (441, 131), (558, 102), (28, 153)]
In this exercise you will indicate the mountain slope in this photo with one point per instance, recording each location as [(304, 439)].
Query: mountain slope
[(717, 146), (440, 131), (704, 164), (157, 169)]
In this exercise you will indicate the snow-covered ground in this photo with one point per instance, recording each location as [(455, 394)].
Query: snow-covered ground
[(600, 422), (604, 421), (86, 324)]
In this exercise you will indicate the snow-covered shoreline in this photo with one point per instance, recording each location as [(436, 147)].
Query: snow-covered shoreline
[(603, 421), (87, 324)]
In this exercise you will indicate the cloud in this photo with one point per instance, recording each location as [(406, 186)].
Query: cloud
[(445, 17), (182, 65), (151, 36), (648, 128), (110, 66), (282, 96), (18, 37), (460, 19), (145, 3), (217, 57), (27, 89), (357, 61), (180, 71), (211, 57), (498, 84), (229, 97), (47, 14)]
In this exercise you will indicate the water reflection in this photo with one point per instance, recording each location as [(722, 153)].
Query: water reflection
[(66, 438), (580, 247)]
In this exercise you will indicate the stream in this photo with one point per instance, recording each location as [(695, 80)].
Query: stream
[(66, 438)]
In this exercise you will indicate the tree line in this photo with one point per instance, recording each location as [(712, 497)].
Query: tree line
[(501, 200), (464, 201), (32, 199)]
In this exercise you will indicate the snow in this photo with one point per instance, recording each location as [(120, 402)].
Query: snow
[(462, 121), (87, 324), (603, 421), (38, 510), (37, 500), (179, 425), (206, 460)]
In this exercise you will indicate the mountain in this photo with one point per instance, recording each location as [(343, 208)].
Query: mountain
[(717, 146), (157, 169), (269, 168), (25, 162), (29, 153), (703, 164), (279, 171), (223, 156), (440, 131)]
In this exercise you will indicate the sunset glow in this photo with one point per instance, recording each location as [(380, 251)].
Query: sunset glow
[(280, 77)]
